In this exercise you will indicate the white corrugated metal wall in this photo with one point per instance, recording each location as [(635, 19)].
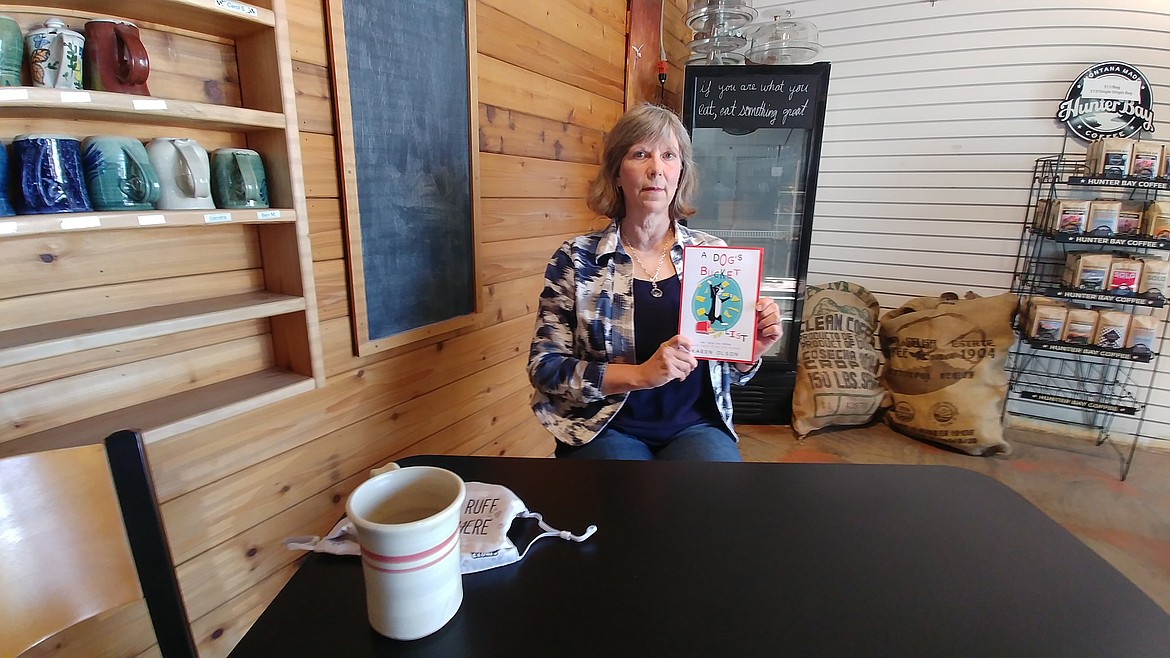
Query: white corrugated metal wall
[(936, 114)]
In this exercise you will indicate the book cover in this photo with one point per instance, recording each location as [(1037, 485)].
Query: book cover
[(720, 286)]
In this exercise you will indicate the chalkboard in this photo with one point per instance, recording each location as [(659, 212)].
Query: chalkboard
[(758, 100), (404, 100)]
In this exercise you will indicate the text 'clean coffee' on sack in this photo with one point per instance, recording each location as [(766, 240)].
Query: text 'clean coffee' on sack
[(837, 365), (945, 369)]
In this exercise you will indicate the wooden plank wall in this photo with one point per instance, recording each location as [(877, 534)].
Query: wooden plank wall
[(550, 83)]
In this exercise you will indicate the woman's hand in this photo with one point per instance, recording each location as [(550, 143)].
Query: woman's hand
[(672, 361), (768, 331)]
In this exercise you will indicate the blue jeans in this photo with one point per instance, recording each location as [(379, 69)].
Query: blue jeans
[(701, 442)]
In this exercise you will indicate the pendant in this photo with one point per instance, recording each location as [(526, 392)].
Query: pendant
[(655, 292)]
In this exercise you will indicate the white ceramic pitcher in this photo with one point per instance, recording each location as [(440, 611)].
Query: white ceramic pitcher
[(184, 173)]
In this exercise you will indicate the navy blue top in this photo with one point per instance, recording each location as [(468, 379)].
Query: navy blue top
[(657, 414)]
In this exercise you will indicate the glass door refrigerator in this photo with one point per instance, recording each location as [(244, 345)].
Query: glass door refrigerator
[(756, 132)]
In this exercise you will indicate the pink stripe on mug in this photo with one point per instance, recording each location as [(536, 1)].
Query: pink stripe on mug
[(397, 559), (368, 558)]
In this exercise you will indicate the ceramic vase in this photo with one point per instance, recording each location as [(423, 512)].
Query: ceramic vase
[(118, 173), (49, 175), (184, 173), (115, 59), (55, 55), (238, 179), (11, 52)]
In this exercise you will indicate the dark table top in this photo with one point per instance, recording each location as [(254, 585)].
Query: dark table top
[(710, 559)]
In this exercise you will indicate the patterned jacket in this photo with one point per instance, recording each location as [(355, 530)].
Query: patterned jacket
[(585, 321)]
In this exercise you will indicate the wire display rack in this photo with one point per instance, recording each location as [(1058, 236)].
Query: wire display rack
[(1093, 386)]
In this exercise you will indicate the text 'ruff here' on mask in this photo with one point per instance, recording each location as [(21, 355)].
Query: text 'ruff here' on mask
[(487, 515)]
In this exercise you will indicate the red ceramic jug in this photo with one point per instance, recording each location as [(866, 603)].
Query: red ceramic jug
[(115, 59)]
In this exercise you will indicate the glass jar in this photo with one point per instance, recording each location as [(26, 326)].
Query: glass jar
[(783, 40)]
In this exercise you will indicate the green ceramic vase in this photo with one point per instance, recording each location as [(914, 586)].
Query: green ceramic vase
[(118, 173), (237, 179), (11, 52)]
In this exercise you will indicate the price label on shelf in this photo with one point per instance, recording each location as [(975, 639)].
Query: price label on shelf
[(75, 97), (13, 94), (8, 228), (150, 104), (238, 7), (151, 220), (71, 223)]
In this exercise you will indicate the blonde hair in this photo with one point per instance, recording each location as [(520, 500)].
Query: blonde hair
[(644, 123)]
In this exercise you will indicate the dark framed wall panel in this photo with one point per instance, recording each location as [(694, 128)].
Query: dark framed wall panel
[(404, 75)]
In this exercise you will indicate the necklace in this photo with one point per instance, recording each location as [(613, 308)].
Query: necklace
[(654, 291)]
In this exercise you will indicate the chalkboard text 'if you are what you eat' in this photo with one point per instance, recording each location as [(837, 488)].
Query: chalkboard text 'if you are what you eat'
[(748, 102)]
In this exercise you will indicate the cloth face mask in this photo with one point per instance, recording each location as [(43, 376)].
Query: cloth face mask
[(487, 515), (488, 512)]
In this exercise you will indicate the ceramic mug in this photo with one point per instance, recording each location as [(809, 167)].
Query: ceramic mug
[(54, 55), (49, 175), (5, 206), (407, 523), (118, 173), (184, 173), (115, 59), (11, 52), (238, 180)]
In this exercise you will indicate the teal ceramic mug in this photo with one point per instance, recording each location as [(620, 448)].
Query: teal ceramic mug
[(237, 179), (11, 52), (118, 173)]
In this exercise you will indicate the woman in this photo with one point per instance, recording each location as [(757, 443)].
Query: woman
[(612, 378)]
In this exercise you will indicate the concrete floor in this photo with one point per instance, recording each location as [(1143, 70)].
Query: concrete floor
[(1072, 480)]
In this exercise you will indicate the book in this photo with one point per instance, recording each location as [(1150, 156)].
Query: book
[(720, 286)]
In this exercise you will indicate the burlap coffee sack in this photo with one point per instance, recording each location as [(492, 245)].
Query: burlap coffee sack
[(837, 365), (945, 369)]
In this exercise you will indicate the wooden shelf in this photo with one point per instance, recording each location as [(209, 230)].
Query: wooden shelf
[(247, 48), (98, 221), (166, 417), (231, 18), (54, 339), (66, 104)]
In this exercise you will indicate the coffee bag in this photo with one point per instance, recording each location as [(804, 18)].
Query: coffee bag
[(1047, 322), (1157, 220), (1155, 277), (1071, 216), (1115, 155), (1080, 326), (1143, 333), (1146, 160), (1129, 219), (837, 363), (1087, 270), (1103, 217), (1040, 213), (1112, 328), (945, 369), (1124, 276)]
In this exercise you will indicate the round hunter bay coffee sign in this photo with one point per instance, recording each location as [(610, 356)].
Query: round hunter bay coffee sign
[(1110, 99)]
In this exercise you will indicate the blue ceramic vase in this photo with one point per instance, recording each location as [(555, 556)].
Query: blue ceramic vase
[(49, 175), (5, 206)]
